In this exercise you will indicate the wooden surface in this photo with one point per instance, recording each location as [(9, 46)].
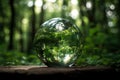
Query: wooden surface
[(50, 73)]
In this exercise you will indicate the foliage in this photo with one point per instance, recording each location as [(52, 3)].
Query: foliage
[(100, 49), (17, 58)]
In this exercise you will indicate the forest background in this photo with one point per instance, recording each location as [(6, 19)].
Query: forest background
[(98, 20)]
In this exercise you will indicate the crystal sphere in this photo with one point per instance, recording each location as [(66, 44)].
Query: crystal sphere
[(58, 42)]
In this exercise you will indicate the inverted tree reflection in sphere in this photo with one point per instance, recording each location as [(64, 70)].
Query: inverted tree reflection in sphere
[(57, 42)]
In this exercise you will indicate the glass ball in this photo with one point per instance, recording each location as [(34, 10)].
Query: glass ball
[(58, 42)]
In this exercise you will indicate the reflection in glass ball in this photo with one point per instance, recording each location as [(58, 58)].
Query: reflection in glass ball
[(58, 42)]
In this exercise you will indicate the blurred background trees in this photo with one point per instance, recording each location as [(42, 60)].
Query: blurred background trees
[(99, 21)]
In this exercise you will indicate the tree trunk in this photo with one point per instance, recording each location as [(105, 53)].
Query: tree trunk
[(32, 29), (2, 39), (21, 39), (91, 15), (2, 34), (103, 21), (33, 20), (12, 25), (64, 7), (118, 19), (81, 4), (42, 13)]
